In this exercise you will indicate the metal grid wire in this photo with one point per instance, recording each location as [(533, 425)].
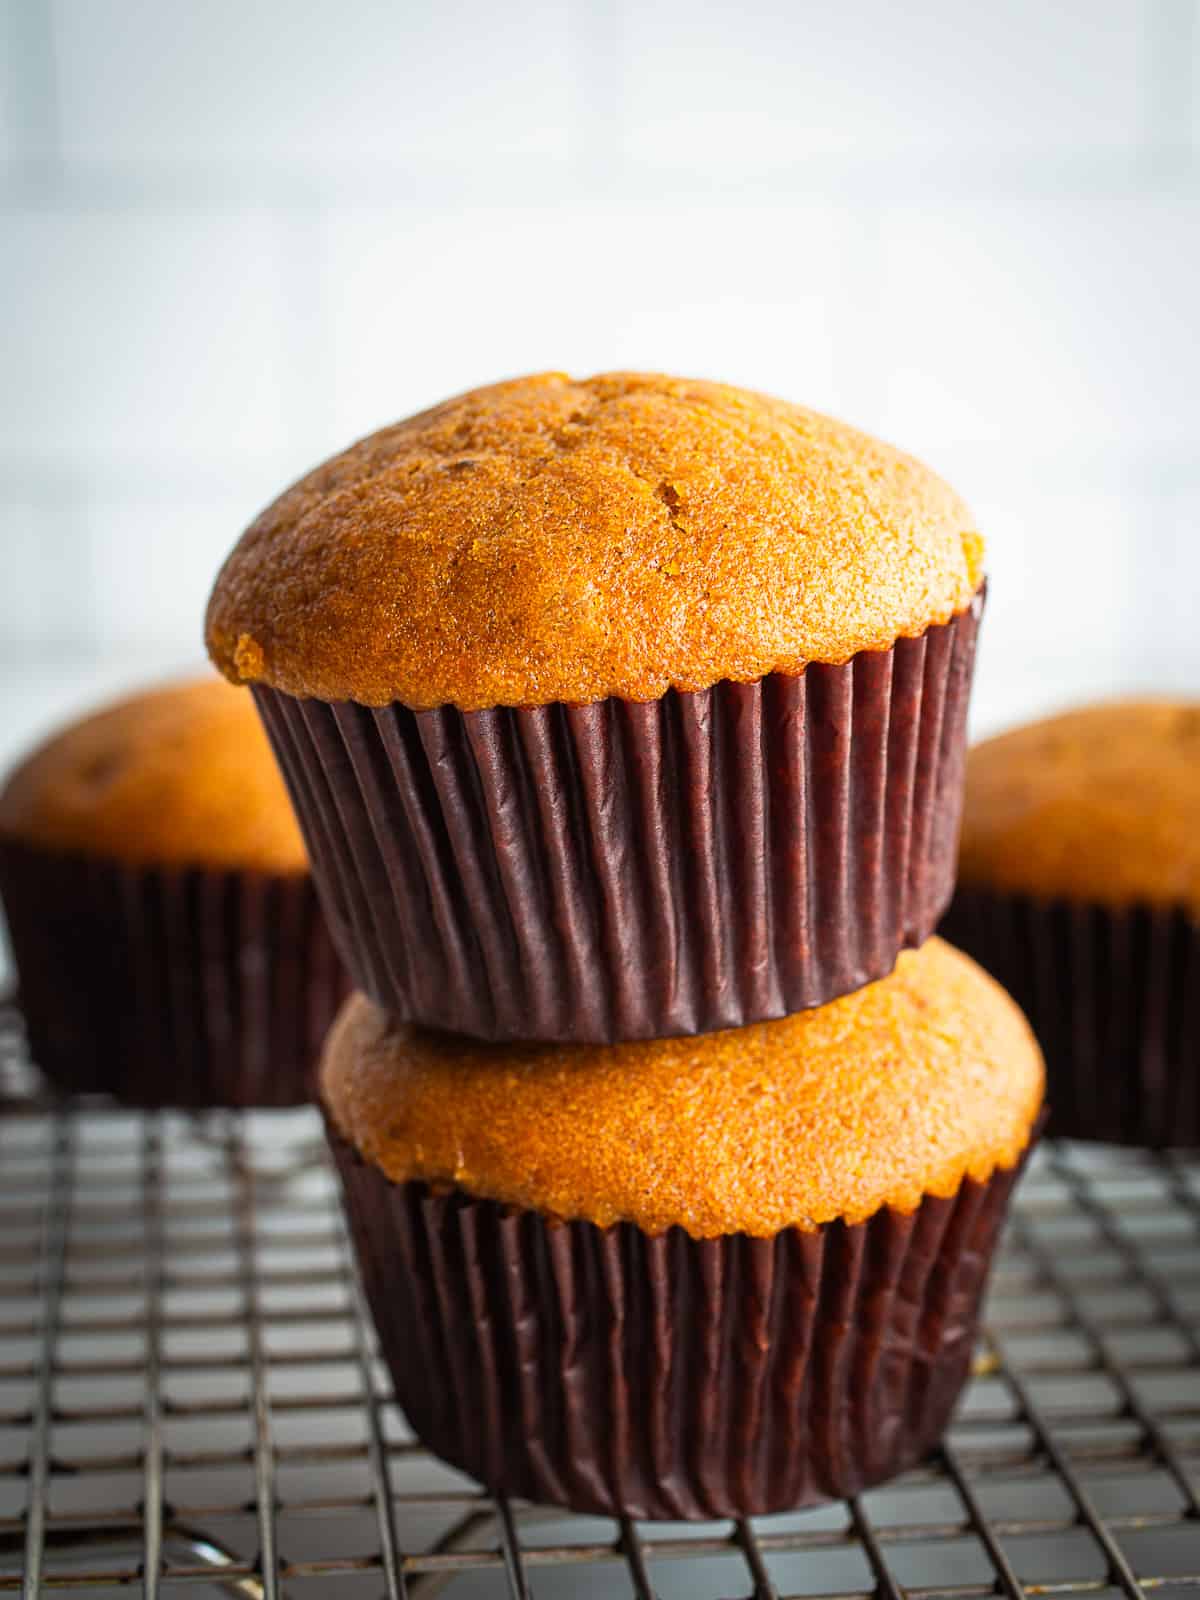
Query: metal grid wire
[(190, 1399)]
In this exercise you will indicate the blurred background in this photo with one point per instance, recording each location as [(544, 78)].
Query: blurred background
[(236, 235)]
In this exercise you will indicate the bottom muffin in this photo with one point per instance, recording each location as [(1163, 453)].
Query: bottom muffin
[(688, 1278)]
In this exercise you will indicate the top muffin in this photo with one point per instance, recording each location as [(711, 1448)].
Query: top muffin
[(1098, 804), (550, 540), (180, 775)]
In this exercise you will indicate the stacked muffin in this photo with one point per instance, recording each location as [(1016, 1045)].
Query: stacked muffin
[(625, 722)]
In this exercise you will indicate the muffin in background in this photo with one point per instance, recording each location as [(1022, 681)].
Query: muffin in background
[(612, 709), (168, 941), (1079, 889), (690, 1277)]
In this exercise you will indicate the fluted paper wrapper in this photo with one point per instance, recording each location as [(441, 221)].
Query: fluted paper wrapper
[(668, 1377), (1113, 994), (170, 987), (625, 871)]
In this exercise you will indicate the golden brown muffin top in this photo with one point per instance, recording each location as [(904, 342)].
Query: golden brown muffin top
[(895, 1092), (549, 540), (181, 774), (1100, 804)]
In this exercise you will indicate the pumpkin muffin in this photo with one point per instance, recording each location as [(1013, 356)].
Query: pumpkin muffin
[(615, 708), (1080, 889), (169, 945), (688, 1277)]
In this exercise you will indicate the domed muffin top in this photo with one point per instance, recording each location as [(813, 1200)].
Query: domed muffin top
[(549, 540), (1100, 804), (180, 774), (897, 1091)]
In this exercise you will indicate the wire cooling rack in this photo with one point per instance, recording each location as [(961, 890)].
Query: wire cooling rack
[(190, 1399)]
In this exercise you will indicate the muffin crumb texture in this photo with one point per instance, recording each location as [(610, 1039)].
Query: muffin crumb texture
[(1100, 804), (548, 540), (179, 775), (896, 1092)]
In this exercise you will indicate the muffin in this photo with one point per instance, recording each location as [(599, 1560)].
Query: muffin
[(168, 941), (1080, 889), (687, 1277), (614, 709)]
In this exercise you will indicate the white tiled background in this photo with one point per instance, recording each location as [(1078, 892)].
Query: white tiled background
[(236, 235)]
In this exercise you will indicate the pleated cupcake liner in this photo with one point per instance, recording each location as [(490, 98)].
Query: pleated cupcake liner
[(609, 1370), (1113, 994), (625, 871), (170, 987)]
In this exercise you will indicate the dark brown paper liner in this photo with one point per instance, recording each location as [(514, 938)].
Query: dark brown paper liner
[(668, 1377), (623, 871), (1113, 995), (171, 987)]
